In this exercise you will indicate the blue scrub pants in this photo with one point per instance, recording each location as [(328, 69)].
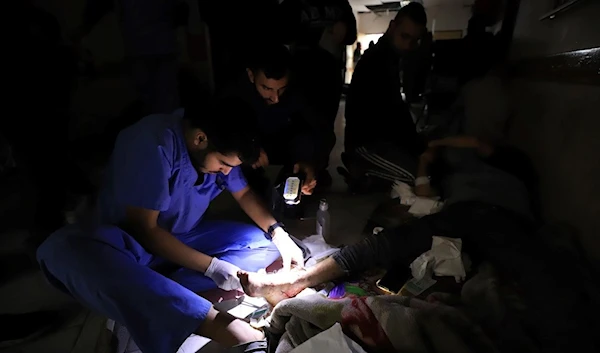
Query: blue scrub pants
[(108, 271)]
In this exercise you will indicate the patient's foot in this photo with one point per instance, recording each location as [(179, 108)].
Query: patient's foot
[(273, 287)]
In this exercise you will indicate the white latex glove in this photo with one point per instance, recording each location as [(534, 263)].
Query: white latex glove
[(224, 274), (289, 251)]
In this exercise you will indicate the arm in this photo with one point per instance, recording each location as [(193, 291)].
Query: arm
[(307, 141), (422, 185), (140, 171), (506, 158), (254, 208), (142, 225)]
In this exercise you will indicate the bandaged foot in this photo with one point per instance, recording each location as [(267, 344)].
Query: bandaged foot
[(274, 287)]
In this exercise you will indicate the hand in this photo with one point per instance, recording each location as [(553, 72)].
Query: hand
[(310, 182), (290, 252), (263, 160), (224, 274)]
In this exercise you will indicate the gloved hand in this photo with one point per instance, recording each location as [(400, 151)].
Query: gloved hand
[(290, 252), (224, 274)]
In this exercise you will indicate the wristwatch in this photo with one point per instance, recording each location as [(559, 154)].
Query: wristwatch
[(274, 227)]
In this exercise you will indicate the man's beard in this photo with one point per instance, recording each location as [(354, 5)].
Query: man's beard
[(198, 159)]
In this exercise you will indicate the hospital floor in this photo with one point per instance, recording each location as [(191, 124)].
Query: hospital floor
[(85, 332)]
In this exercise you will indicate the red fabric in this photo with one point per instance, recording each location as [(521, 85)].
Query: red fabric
[(358, 319)]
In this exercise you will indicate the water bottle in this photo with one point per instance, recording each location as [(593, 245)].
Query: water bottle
[(323, 220)]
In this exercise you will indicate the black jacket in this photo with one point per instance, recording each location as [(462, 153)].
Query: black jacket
[(375, 110), (287, 130)]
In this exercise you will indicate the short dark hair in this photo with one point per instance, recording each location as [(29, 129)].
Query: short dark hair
[(229, 125), (274, 60), (414, 11)]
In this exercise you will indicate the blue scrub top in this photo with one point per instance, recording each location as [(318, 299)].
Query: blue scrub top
[(150, 168)]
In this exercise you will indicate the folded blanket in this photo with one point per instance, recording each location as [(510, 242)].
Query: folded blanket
[(389, 323)]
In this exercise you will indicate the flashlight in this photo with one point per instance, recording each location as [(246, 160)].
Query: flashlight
[(292, 190)]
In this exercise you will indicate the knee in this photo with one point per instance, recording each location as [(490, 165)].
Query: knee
[(52, 246), (64, 248), (50, 255)]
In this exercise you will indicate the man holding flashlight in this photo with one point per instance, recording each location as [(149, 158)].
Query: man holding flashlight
[(290, 132), (142, 263)]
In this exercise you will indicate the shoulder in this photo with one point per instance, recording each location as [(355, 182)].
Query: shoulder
[(373, 60), (152, 133), (374, 55)]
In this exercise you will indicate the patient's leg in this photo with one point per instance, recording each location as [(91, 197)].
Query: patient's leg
[(283, 285), (373, 251), (390, 248)]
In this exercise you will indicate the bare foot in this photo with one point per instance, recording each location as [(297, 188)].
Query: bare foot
[(273, 287)]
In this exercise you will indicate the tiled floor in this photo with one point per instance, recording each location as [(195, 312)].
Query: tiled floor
[(81, 334)]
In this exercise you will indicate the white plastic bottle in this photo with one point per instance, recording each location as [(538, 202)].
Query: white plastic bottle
[(323, 220)]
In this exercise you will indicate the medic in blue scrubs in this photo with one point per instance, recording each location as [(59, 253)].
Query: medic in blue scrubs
[(163, 174)]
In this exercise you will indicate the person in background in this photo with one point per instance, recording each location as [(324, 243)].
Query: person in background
[(318, 31), (290, 132), (357, 53), (149, 31), (481, 71), (371, 44), (481, 49), (149, 252), (380, 136)]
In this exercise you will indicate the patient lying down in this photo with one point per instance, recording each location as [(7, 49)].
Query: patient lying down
[(476, 183)]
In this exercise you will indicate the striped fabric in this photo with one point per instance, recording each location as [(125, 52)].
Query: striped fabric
[(384, 168)]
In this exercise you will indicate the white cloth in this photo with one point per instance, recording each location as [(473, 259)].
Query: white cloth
[(318, 248), (424, 206), (420, 206), (444, 259), (404, 192), (409, 324)]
